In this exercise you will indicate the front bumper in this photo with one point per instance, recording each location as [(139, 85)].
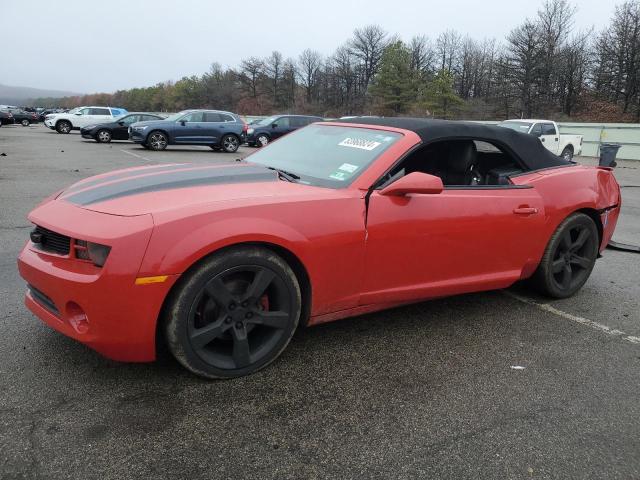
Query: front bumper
[(102, 308), (137, 136), (50, 124), (86, 133)]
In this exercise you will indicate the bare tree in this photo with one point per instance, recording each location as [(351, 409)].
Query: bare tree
[(251, 71), (309, 64), (273, 69), (367, 45)]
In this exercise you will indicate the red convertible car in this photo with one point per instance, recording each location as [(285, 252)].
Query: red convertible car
[(223, 262)]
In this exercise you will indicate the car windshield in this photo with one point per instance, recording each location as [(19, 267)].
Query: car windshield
[(265, 121), (517, 126), (325, 155)]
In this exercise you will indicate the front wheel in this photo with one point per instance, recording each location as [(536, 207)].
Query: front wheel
[(103, 136), (234, 314), (262, 140), (230, 143), (25, 123), (569, 257), (567, 154), (63, 127), (157, 141)]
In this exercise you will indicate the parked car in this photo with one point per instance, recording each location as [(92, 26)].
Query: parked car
[(224, 262), (118, 129), (22, 117), (216, 129), (6, 118), (81, 117), (264, 131), (547, 131)]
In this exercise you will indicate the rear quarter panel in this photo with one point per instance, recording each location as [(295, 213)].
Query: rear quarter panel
[(566, 190)]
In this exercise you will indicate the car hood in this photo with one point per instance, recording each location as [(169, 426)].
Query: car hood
[(157, 188)]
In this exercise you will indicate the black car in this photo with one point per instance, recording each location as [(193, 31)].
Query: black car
[(118, 129), (263, 131), (22, 117)]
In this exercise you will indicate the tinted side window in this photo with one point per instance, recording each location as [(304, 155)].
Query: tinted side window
[(298, 122), (227, 118), (99, 111), (132, 119), (282, 122), (193, 117), (548, 129), (212, 117)]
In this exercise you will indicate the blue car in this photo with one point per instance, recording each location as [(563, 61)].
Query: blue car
[(219, 130)]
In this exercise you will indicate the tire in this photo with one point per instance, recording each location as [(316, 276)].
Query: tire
[(25, 123), (103, 136), (567, 154), (63, 126), (569, 257), (157, 140), (230, 143), (262, 140), (215, 323)]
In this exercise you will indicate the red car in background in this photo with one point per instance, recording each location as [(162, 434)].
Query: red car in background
[(224, 262)]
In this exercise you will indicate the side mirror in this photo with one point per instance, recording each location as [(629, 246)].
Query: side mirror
[(182, 122), (415, 182), (78, 113), (274, 125), (121, 123)]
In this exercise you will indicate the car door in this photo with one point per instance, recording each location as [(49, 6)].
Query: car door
[(280, 127), (82, 118), (549, 137), (121, 131), (190, 128), (101, 115), (214, 127), (466, 238)]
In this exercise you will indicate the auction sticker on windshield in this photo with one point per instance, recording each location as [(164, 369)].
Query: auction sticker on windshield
[(359, 143)]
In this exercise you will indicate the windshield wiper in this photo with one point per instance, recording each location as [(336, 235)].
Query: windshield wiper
[(288, 176)]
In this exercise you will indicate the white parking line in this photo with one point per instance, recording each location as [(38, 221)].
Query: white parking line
[(581, 320), (137, 156)]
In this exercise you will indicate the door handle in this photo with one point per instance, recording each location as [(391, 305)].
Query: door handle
[(556, 139), (525, 210)]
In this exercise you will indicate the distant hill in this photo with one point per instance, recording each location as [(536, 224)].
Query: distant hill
[(18, 95)]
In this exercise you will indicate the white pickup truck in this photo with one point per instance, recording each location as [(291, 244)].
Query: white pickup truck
[(547, 131), (81, 117)]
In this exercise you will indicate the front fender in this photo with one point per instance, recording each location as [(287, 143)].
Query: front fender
[(172, 251)]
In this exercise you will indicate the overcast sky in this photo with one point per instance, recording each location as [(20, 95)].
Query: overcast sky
[(92, 46)]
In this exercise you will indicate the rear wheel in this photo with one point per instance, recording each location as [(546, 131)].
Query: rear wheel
[(230, 143), (567, 154), (63, 126), (103, 136), (25, 123), (569, 257), (234, 314), (157, 141)]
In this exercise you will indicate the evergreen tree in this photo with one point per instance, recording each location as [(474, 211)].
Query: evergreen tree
[(394, 86)]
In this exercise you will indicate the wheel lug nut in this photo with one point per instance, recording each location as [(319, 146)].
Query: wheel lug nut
[(245, 304), (248, 315), (239, 325), (228, 320), (232, 306)]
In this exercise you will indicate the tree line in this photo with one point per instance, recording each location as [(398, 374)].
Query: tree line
[(545, 67)]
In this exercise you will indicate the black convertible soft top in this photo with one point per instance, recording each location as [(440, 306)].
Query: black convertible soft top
[(527, 148)]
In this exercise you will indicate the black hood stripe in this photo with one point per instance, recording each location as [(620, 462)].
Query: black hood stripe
[(126, 174), (172, 180)]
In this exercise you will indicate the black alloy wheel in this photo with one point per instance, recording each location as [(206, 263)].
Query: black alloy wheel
[(234, 314), (230, 143), (569, 257)]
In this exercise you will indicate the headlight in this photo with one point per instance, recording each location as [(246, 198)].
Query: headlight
[(250, 131), (89, 127), (140, 129), (94, 252), (48, 117)]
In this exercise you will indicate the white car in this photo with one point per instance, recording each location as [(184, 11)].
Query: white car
[(547, 131), (81, 117)]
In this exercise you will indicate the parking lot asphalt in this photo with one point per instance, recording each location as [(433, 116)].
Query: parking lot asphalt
[(423, 391)]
